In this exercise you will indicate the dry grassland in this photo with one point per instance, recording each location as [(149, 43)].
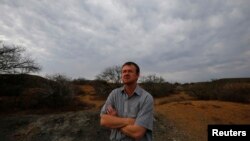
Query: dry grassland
[(188, 114)]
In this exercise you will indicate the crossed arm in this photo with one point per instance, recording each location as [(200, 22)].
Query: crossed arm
[(125, 125)]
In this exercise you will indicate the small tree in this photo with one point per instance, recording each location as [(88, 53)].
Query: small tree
[(61, 91), (13, 61), (157, 86), (152, 79), (111, 74)]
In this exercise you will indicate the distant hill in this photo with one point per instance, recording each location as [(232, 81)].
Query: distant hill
[(24, 92), (233, 80), (26, 79), (15, 84), (227, 89)]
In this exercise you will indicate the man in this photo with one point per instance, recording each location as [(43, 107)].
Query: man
[(128, 111)]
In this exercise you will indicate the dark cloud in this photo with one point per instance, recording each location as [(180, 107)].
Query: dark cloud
[(179, 40)]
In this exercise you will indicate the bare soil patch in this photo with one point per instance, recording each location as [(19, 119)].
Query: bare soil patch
[(192, 117)]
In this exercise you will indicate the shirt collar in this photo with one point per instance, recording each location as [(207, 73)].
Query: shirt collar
[(138, 90)]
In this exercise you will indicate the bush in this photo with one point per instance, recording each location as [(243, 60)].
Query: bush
[(54, 95), (34, 92), (238, 92), (225, 90), (33, 98), (15, 84), (103, 88), (80, 81), (159, 89), (60, 92)]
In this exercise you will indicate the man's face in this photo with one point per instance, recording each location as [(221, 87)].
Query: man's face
[(129, 74)]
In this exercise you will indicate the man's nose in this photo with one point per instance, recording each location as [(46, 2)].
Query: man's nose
[(125, 73)]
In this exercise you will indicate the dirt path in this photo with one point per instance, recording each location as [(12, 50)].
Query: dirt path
[(90, 97)]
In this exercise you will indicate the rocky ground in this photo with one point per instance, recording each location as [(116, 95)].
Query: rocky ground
[(72, 126)]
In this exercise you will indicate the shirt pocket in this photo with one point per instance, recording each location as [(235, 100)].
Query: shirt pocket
[(133, 111)]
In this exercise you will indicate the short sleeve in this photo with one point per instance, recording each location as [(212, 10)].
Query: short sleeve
[(145, 116), (109, 101)]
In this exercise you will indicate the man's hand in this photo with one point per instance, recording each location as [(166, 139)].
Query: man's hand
[(134, 131), (115, 121), (112, 120), (130, 121), (111, 111)]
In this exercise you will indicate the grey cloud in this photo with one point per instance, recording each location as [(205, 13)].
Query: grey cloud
[(180, 40)]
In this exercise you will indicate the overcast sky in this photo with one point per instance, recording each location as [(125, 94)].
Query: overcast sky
[(180, 40)]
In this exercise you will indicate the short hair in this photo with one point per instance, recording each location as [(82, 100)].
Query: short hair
[(134, 64)]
